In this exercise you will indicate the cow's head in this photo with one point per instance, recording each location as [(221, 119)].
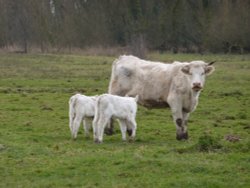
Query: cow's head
[(197, 71)]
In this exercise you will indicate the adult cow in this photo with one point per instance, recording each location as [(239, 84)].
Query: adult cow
[(177, 85)]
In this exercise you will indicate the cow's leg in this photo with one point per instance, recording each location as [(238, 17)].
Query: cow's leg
[(180, 129), (177, 113), (185, 128), (178, 120)]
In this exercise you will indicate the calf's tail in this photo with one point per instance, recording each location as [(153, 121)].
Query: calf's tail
[(72, 112)]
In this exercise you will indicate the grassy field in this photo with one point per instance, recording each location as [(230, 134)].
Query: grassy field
[(36, 149)]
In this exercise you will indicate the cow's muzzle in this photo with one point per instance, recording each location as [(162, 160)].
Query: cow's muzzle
[(197, 86)]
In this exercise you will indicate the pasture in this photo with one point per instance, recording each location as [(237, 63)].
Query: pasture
[(36, 149)]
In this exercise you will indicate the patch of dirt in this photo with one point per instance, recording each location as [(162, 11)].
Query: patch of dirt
[(232, 138)]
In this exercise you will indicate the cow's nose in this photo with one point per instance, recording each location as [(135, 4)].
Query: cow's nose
[(196, 84)]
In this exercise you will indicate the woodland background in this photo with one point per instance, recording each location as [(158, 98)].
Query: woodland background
[(216, 26)]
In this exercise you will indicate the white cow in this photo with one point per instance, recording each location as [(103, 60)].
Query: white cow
[(81, 108), (111, 106), (177, 85)]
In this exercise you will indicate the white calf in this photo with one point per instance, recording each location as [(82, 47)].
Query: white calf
[(81, 108), (111, 106)]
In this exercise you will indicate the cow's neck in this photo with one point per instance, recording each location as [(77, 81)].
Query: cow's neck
[(194, 96)]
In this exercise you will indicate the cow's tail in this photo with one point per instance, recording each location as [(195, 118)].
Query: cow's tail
[(136, 98), (72, 112), (112, 89), (113, 77)]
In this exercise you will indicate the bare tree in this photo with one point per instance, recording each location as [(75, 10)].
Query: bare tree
[(178, 26)]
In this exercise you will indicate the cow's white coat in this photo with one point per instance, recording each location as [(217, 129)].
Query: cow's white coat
[(176, 85)]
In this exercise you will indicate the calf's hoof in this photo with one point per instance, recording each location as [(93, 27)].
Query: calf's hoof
[(182, 136)]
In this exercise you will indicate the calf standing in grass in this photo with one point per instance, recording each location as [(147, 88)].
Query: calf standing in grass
[(110, 106), (81, 108)]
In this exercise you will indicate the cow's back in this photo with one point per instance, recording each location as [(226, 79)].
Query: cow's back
[(150, 80)]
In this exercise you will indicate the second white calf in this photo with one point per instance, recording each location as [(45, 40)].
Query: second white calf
[(111, 106)]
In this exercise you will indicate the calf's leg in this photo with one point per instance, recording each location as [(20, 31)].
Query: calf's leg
[(109, 129), (76, 125), (86, 126), (123, 128), (100, 128), (132, 126)]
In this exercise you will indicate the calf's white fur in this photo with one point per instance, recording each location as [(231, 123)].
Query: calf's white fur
[(110, 106), (81, 109)]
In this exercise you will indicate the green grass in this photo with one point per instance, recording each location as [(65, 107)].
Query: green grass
[(36, 149)]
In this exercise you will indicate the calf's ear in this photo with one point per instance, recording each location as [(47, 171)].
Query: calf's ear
[(209, 69), (185, 69)]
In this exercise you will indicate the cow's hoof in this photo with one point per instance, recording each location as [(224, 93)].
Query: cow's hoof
[(129, 131), (182, 136), (178, 137), (185, 136)]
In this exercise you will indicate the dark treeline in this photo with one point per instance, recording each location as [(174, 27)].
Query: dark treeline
[(217, 26)]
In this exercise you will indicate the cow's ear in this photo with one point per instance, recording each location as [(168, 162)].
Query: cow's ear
[(212, 62), (185, 69), (209, 70)]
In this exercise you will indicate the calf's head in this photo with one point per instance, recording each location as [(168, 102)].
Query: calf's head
[(197, 71)]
